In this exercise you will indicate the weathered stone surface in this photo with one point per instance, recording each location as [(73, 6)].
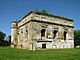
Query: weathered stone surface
[(37, 32)]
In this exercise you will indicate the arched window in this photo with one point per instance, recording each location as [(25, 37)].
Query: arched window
[(43, 33), (55, 33), (65, 35)]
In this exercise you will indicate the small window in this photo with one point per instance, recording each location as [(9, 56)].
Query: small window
[(26, 30), (21, 46), (43, 46), (18, 33)]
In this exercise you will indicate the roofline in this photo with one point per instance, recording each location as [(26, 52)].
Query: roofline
[(46, 14)]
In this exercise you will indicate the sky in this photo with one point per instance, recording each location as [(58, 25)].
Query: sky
[(12, 10)]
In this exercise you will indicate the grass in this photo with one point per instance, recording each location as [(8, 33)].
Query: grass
[(7, 53)]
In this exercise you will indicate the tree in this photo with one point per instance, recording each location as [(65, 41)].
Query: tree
[(44, 11), (76, 37), (2, 37), (9, 40)]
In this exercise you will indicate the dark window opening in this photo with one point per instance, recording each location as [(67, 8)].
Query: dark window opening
[(18, 33), (65, 33), (21, 46), (55, 33), (43, 33), (26, 30), (43, 46)]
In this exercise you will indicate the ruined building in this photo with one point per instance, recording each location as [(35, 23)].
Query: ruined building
[(38, 31)]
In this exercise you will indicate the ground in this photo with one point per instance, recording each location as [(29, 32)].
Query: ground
[(7, 53)]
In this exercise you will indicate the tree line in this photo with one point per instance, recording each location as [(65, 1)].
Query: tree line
[(7, 41)]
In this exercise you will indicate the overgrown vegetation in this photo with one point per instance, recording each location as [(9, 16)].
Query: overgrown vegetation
[(7, 53), (44, 12)]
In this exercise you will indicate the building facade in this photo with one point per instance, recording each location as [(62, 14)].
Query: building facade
[(38, 31)]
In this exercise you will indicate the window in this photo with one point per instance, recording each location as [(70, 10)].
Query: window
[(65, 35), (43, 33), (26, 30), (55, 33), (43, 46)]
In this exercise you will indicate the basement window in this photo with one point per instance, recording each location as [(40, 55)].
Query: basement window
[(43, 46)]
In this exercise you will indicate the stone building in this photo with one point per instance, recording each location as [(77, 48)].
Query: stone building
[(38, 31)]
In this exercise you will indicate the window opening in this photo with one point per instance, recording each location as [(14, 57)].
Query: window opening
[(43, 33), (55, 33), (43, 46), (65, 35)]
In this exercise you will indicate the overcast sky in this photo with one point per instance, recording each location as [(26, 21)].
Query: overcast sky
[(11, 10)]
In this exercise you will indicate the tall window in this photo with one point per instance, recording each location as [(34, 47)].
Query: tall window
[(43, 33), (65, 35), (55, 33)]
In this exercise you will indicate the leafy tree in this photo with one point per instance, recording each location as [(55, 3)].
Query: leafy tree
[(77, 37), (2, 37)]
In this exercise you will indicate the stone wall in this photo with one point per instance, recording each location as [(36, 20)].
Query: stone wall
[(58, 41), (29, 33)]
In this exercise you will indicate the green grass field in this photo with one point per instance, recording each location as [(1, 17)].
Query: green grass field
[(7, 53)]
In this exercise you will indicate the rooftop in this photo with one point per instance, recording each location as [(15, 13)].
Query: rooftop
[(46, 14)]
